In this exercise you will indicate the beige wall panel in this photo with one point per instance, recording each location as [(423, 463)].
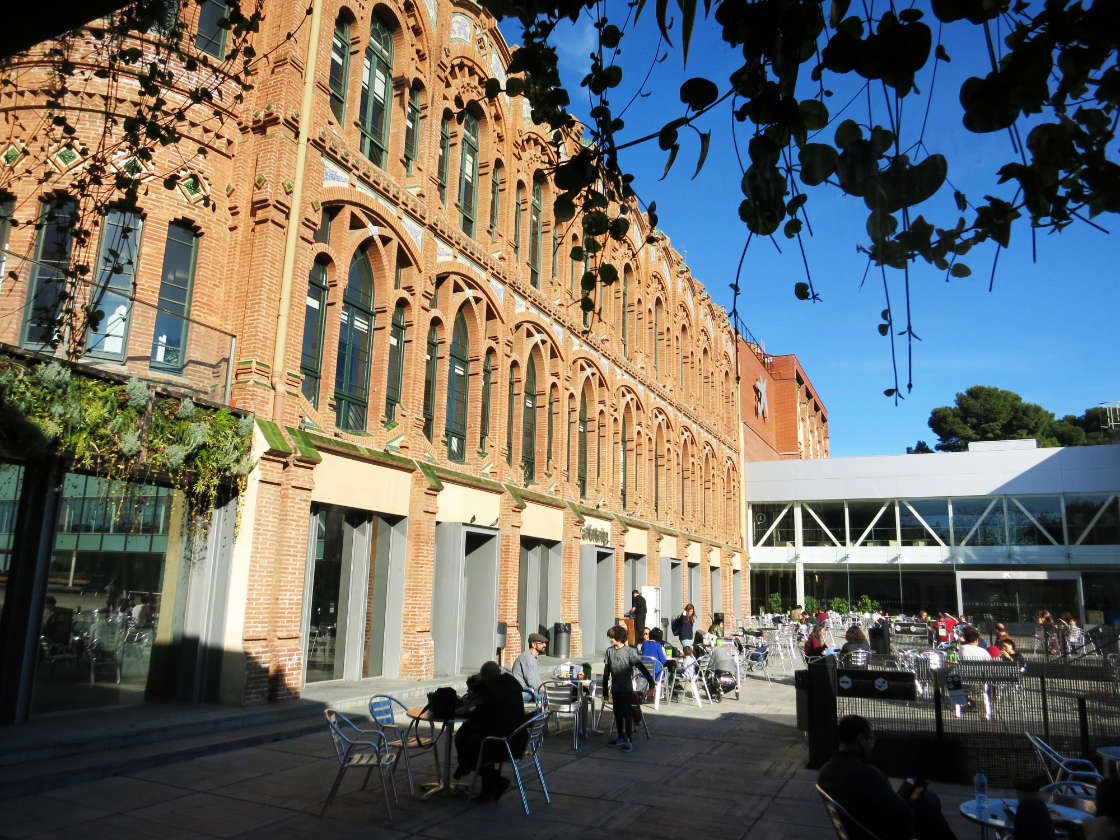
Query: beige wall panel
[(669, 547), (637, 541), (459, 504), (357, 484), (713, 557), (543, 522), (695, 555)]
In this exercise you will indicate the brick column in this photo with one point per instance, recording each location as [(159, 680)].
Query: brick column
[(417, 650), (621, 593), (653, 559), (569, 577), (509, 574)]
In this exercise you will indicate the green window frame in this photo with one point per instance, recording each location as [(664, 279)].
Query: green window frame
[(581, 447), (47, 281), (211, 35), (412, 128), (377, 83), (484, 414), (355, 344), (624, 471), (626, 312), (529, 423), (395, 373), (339, 77), (432, 354), (517, 223), (657, 337), (552, 406), (444, 157), (468, 176), (169, 339), (314, 319), (115, 287), (536, 235), (458, 379), (511, 395), (495, 197)]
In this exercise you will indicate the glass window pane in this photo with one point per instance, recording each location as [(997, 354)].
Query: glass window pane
[(1045, 510), (1080, 513), (970, 513), (169, 340), (831, 514), (763, 516), (933, 512), (861, 515), (48, 273), (211, 37)]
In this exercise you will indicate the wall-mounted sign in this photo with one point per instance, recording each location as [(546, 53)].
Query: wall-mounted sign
[(591, 534)]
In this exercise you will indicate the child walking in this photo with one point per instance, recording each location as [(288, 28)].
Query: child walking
[(618, 675)]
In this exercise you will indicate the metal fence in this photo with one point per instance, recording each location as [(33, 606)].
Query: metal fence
[(1073, 706)]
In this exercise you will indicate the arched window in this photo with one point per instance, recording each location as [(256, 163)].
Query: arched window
[(395, 374), (536, 227), (658, 454), (211, 34), (624, 470), (484, 416), (412, 127), (444, 157), (626, 311), (657, 337), (468, 176), (458, 375), (377, 84), (430, 382), (340, 67), (529, 423), (517, 223), (511, 394), (314, 316), (355, 335), (581, 446), (110, 301), (553, 406), (180, 257), (495, 197)]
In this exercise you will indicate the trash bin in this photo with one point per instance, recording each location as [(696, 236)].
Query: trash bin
[(801, 695), (561, 643), (880, 642), (501, 635)]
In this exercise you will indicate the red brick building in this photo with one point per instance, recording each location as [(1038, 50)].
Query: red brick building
[(783, 416), (446, 444)]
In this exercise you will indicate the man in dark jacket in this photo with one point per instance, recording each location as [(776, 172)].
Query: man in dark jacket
[(638, 613), (851, 779), (497, 710)]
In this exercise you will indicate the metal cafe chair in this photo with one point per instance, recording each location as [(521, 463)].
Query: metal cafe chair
[(661, 682), (534, 728), (1059, 768), (758, 659), (847, 827), (356, 747), (562, 699), (407, 740), (855, 658)]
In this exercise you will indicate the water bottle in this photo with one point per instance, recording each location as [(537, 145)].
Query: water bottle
[(981, 786)]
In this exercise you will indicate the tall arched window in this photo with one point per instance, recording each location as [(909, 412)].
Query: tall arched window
[(412, 127), (314, 316), (495, 197), (658, 455), (517, 222), (553, 405), (377, 89), (395, 374), (624, 470), (657, 337), (626, 311), (511, 395), (430, 382), (581, 447), (484, 415), (468, 176), (529, 423), (340, 67), (444, 161), (536, 228), (458, 375), (355, 335)]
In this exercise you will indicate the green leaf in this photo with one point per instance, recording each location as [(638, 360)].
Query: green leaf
[(792, 228), (608, 274), (705, 141), (688, 18), (662, 9), (577, 254), (848, 133), (814, 114), (698, 93), (837, 11), (818, 162), (801, 291), (960, 270), (669, 163), (493, 88), (941, 54), (611, 36), (587, 281), (619, 227), (883, 330), (514, 86), (563, 209)]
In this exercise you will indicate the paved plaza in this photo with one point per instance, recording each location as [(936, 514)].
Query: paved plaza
[(728, 771)]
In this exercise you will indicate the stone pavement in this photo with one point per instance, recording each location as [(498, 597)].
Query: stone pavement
[(731, 770)]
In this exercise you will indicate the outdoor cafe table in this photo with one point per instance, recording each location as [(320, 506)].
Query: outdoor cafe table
[(443, 785), (1000, 817)]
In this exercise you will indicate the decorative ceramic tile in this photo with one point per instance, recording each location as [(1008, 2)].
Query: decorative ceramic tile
[(461, 27), (498, 289), (334, 175)]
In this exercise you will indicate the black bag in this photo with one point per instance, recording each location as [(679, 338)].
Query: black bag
[(442, 703), (676, 626)]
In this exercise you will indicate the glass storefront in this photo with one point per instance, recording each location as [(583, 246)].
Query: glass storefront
[(1018, 600)]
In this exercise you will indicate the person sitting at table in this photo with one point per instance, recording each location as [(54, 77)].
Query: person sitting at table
[(497, 710), (855, 639), (654, 649), (1106, 824), (1032, 820), (816, 645), (969, 649), (1008, 652), (863, 790), (687, 664), (526, 668)]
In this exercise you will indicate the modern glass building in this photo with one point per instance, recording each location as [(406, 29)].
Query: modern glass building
[(1005, 529)]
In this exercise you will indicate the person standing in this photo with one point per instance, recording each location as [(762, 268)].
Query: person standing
[(618, 675), (526, 668), (638, 613), (685, 624)]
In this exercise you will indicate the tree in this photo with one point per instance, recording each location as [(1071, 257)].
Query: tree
[(986, 413), (1052, 84), (919, 448)]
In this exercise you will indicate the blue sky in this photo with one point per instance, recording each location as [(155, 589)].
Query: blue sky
[(1048, 330)]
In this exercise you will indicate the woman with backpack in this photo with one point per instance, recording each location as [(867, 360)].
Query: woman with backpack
[(684, 625)]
